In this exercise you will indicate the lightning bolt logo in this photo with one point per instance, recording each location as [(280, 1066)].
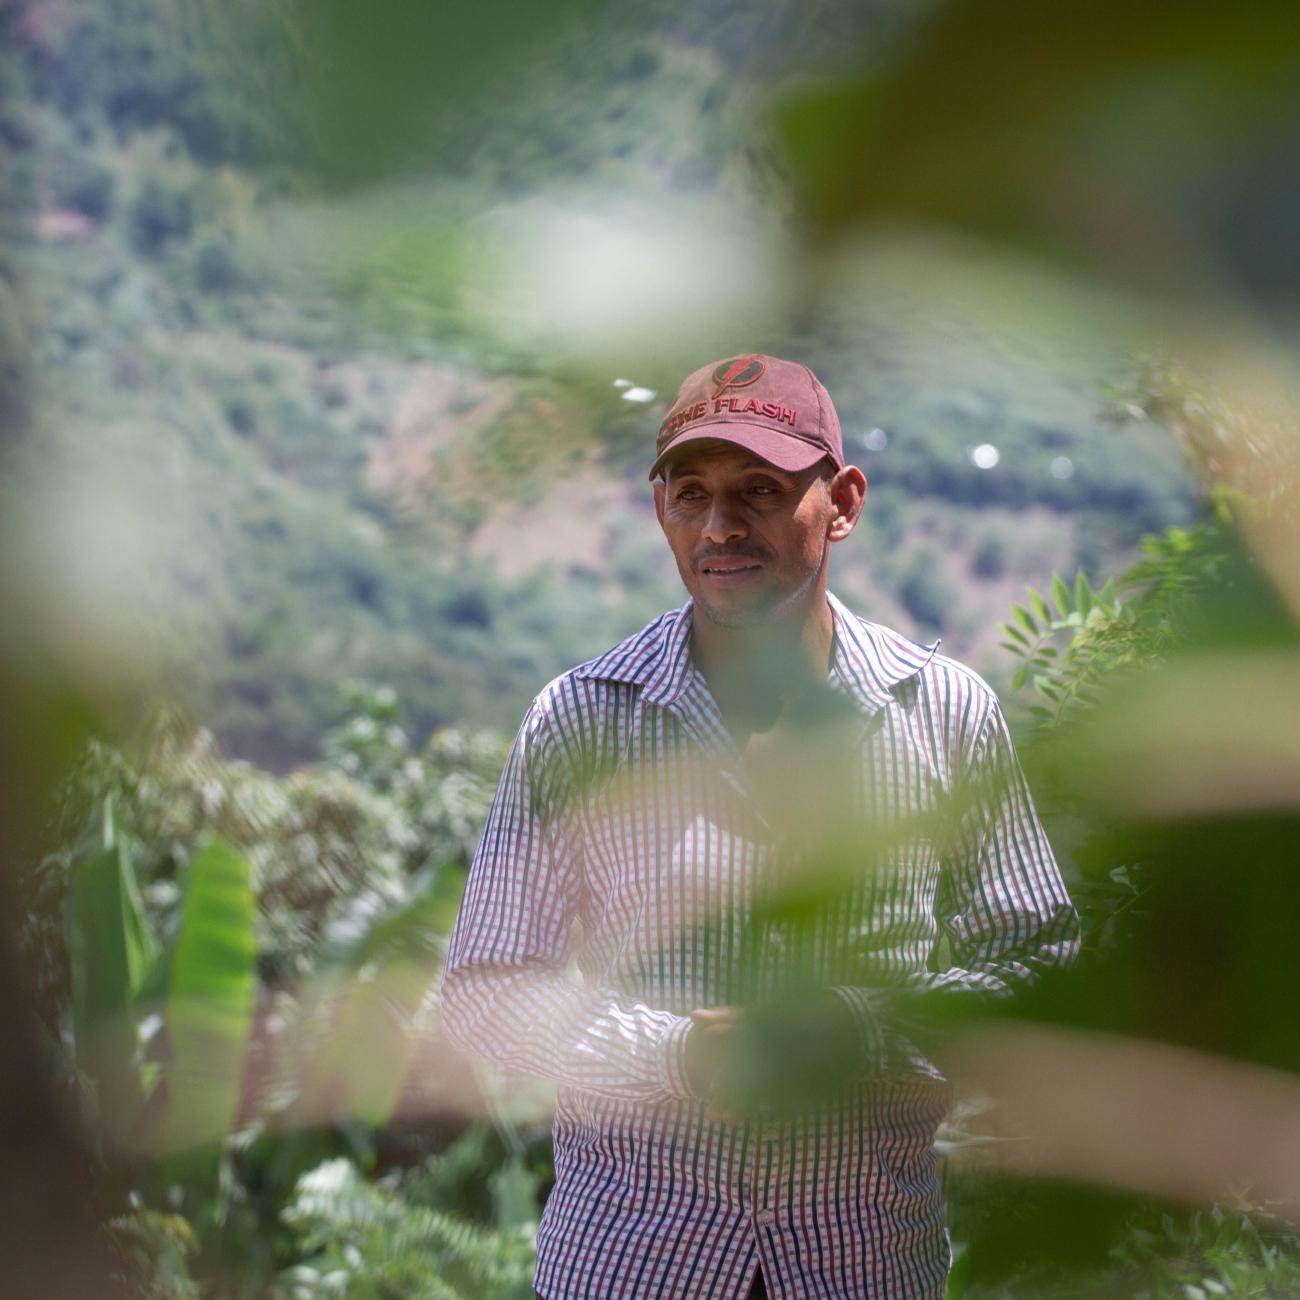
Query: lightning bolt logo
[(739, 372)]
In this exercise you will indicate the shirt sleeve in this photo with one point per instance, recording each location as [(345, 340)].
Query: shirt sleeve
[(1002, 902), (506, 994)]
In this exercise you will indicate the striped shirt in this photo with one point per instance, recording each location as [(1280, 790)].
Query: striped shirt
[(625, 843)]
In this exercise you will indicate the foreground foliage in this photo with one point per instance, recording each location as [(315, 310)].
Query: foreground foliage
[(1176, 900), (289, 931), (245, 968)]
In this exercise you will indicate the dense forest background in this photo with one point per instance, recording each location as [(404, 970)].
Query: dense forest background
[(333, 344)]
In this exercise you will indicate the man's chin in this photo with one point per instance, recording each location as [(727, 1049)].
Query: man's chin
[(737, 614)]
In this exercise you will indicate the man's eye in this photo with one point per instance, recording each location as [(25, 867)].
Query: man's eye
[(762, 489), (688, 494)]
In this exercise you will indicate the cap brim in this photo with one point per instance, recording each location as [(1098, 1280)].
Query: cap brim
[(779, 449)]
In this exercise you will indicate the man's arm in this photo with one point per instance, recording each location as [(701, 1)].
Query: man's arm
[(1004, 906), (505, 993), (1002, 902)]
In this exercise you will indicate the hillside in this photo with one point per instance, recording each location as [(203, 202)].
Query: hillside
[(280, 432)]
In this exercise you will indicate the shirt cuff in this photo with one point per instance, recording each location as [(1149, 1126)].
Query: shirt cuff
[(673, 1061)]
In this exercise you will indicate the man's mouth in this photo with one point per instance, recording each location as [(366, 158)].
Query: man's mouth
[(730, 567)]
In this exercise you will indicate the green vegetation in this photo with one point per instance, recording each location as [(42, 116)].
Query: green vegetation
[(387, 1240), (327, 450), (234, 954), (340, 1161), (1135, 668), (286, 407)]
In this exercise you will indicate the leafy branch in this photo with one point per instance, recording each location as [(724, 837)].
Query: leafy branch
[(1059, 643), (1069, 647)]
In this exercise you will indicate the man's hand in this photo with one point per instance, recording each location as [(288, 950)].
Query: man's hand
[(750, 1062), (709, 1045)]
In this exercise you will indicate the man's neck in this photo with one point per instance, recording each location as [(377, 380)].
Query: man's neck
[(754, 672)]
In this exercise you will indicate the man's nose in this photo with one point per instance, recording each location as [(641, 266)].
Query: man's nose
[(725, 520)]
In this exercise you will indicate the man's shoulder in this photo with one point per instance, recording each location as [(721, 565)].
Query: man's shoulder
[(881, 659), (638, 661), (959, 696), (638, 658), (883, 653)]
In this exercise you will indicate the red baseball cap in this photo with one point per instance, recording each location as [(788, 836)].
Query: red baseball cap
[(777, 409)]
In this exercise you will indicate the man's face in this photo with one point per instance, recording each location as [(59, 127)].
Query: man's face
[(750, 540)]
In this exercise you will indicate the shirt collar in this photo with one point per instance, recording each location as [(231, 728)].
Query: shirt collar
[(868, 660), (657, 658)]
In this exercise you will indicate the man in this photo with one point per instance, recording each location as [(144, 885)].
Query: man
[(751, 826)]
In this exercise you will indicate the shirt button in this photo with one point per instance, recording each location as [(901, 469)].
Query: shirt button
[(765, 1218)]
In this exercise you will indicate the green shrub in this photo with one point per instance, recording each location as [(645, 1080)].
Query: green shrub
[(925, 595), (370, 1242), (990, 558), (161, 214), (86, 186), (215, 267), (155, 1250), (641, 64)]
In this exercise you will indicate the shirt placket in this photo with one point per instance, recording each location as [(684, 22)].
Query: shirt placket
[(702, 721), (766, 1148)]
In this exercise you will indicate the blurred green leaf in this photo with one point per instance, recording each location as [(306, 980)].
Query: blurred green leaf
[(514, 1194), (957, 1275), (110, 947), (210, 993), (383, 976), (377, 79), (1013, 120)]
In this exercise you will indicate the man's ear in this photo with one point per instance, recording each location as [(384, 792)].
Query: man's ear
[(659, 501), (848, 492)]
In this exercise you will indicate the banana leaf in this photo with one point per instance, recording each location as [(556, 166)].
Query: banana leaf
[(111, 947), (211, 980)]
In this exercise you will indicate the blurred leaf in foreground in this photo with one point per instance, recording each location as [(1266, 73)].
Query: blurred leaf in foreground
[(1071, 127)]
